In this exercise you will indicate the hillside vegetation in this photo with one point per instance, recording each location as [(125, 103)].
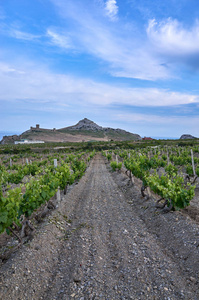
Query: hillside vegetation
[(84, 131)]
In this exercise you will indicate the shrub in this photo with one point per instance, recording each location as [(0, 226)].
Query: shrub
[(115, 166)]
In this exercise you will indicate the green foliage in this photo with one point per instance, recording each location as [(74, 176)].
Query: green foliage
[(44, 184), (124, 154), (78, 167), (38, 192), (172, 189), (170, 186), (15, 177), (189, 170), (115, 166), (9, 207), (92, 154), (64, 176), (119, 166), (197, 171), (109, 156), (171, 170)]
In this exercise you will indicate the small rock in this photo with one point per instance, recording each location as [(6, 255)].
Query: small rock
[(37, 247), (72, 295), (192, 279), (76, 279)]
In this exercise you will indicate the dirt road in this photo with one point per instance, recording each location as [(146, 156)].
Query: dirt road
[(97, 246)]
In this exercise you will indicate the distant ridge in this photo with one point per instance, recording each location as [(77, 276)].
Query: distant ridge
[(85, 130), (187, 136)]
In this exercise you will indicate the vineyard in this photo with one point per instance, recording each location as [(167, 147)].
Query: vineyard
[(27, 183), (170, 173), (113, 222)]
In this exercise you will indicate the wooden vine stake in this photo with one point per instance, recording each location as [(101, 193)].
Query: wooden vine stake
[(58, 195), (148, 191), (132, 178), (10, 162), (55, 163), (193, 166), (167, 157)]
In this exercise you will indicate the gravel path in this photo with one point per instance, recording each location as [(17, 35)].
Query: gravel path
[(97, 246)]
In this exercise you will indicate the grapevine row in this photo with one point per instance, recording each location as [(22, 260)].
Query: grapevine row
[(15, 203), (170, 186)]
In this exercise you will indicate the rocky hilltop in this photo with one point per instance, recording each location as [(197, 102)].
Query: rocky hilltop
[(85, 130), (85, 124), (187, 136)]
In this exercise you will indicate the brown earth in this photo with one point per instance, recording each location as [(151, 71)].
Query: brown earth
[(65, 137), (105, 241)]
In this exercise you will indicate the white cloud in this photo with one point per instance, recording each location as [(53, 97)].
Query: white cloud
[(39, 84), (149, 118), (23, 35), (111, 9), (14, 31), (6, 69), (159, 126), (60, 40), (123, 51), (172, 38)]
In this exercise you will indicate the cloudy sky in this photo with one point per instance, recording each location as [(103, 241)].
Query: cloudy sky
[(122, 63)]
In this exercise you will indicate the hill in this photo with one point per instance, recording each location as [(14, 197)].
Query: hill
[(187, 136), (85, 130)]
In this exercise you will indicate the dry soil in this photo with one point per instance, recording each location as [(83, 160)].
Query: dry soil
[(105, 241)]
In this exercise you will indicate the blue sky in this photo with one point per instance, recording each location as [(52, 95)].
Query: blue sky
[(122, 63)]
